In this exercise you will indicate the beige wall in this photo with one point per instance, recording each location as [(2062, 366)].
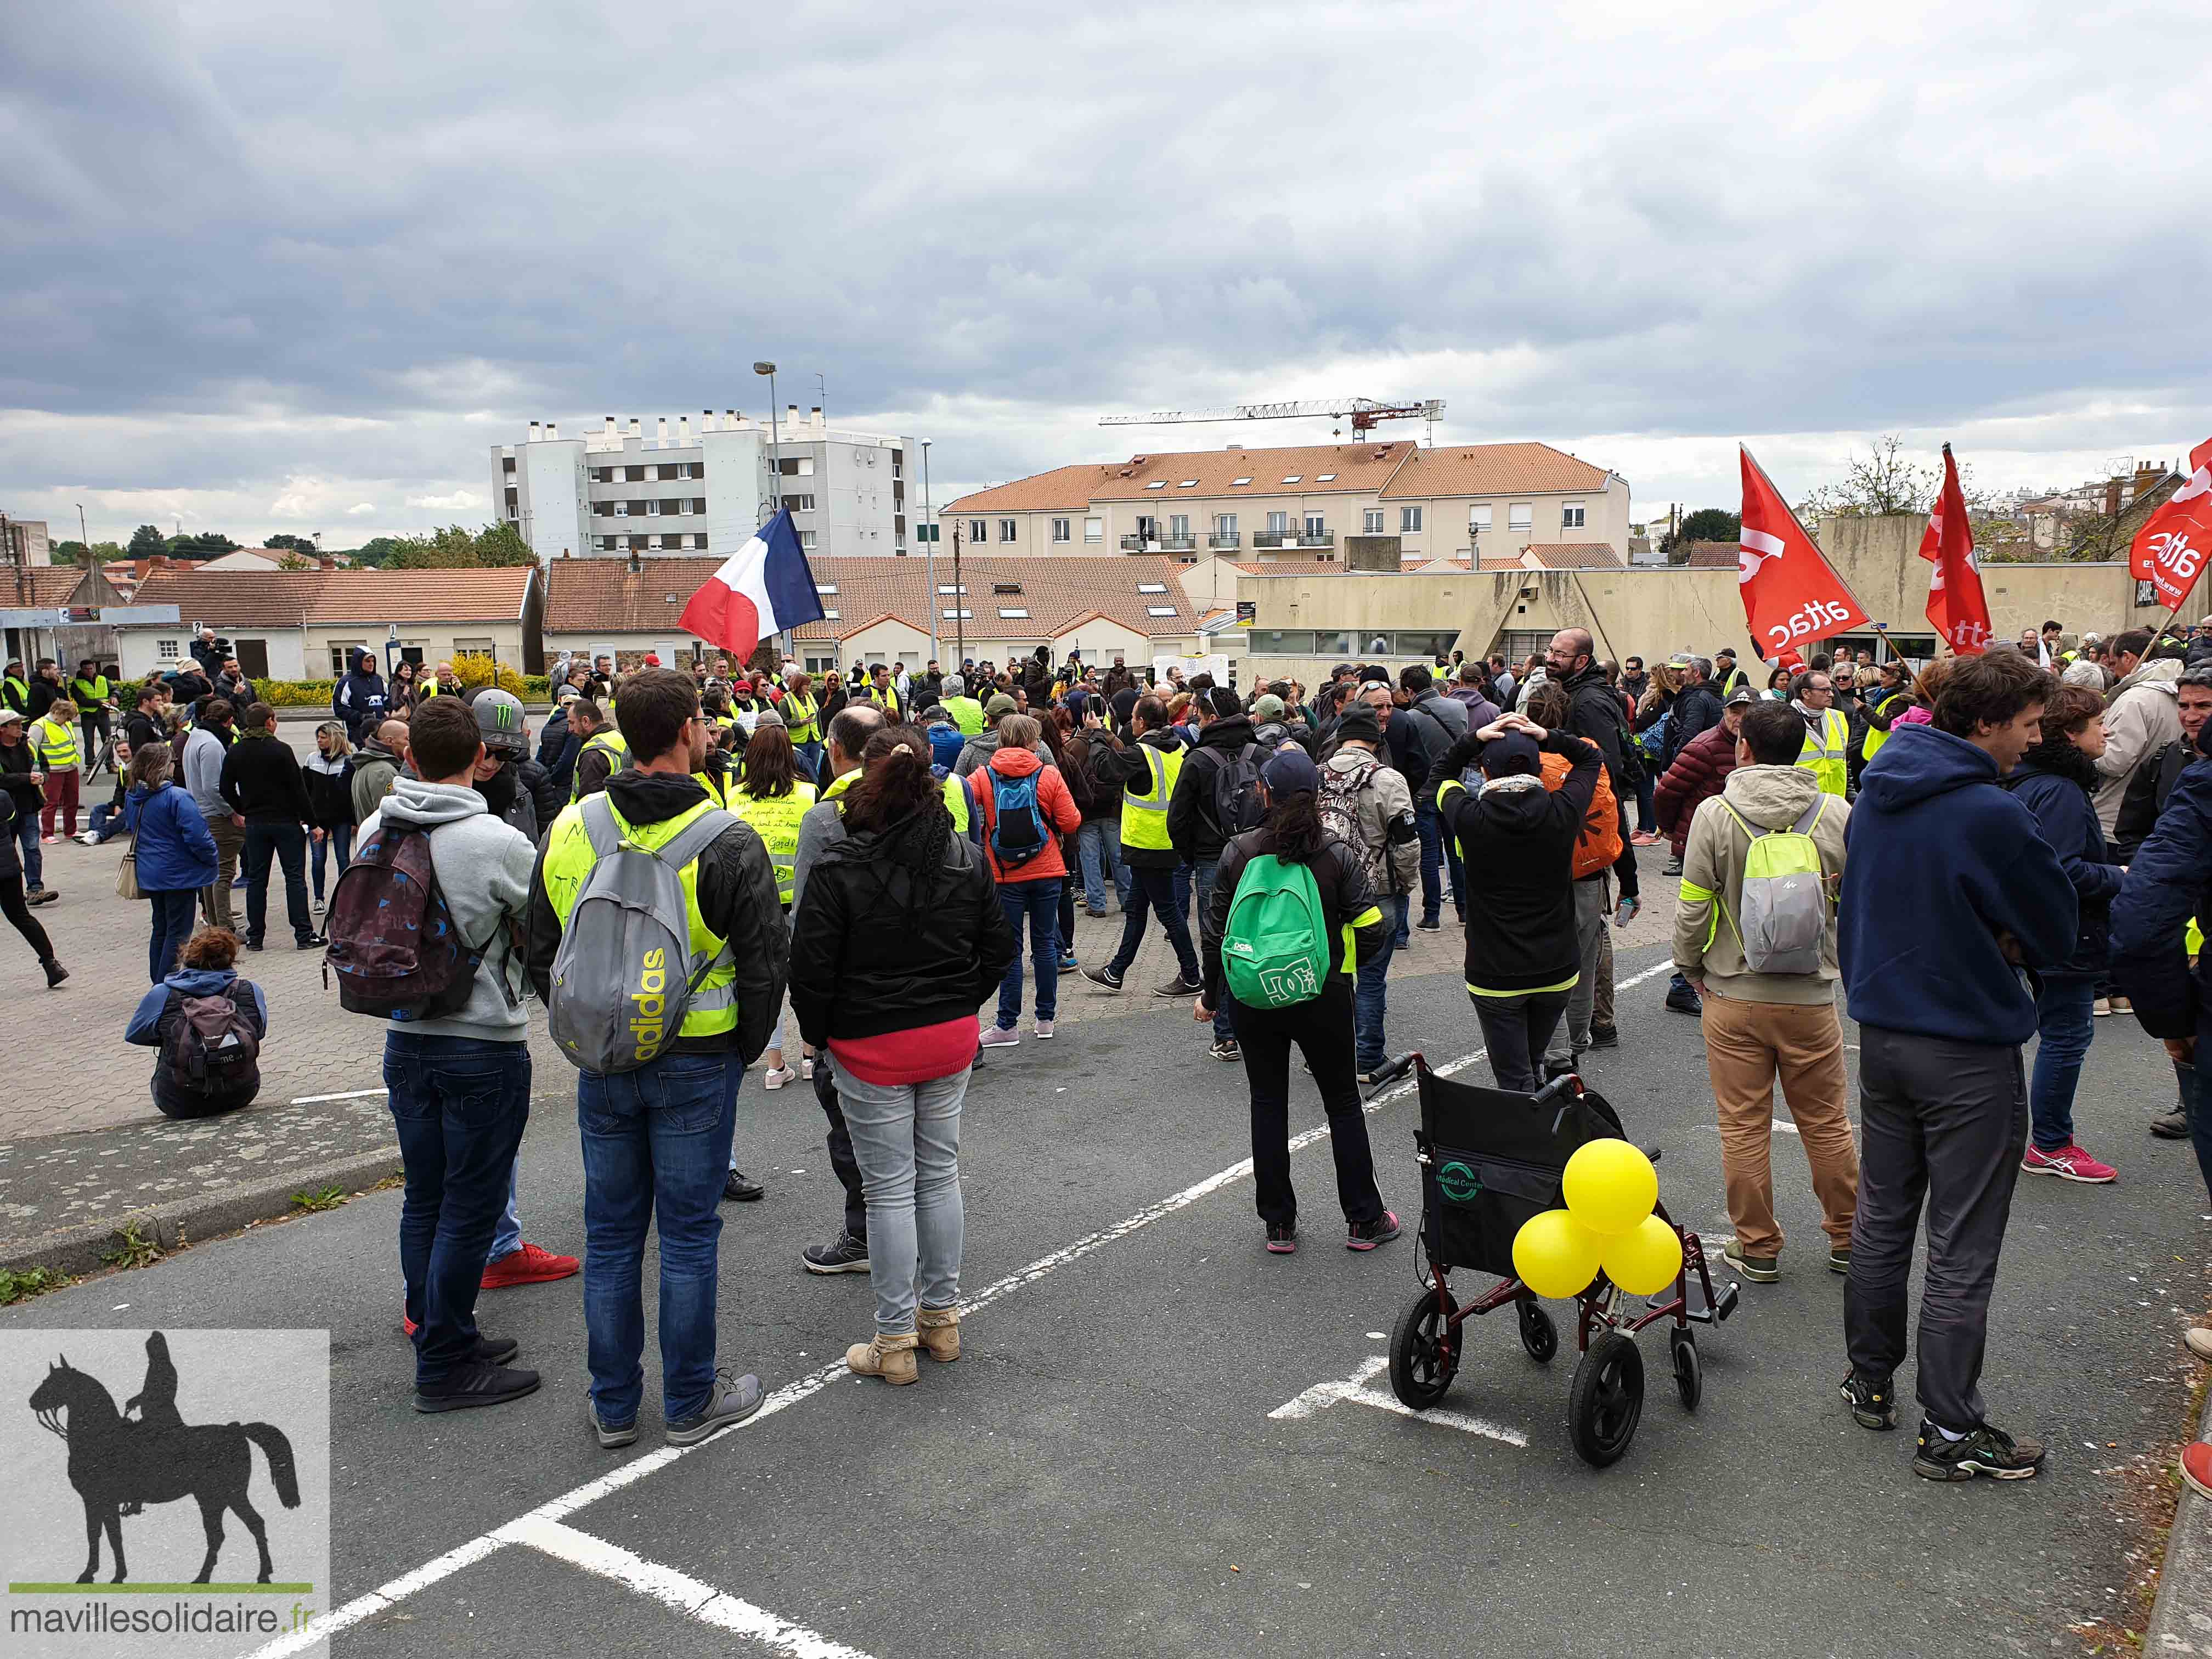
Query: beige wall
[(1032, 533), (1443, 533), (438, 641)]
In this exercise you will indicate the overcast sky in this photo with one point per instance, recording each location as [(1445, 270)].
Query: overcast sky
[(297, 269)]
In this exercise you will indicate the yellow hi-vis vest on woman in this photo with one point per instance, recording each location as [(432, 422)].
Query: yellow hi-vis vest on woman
[(775, 817), (1893, 703), (1823, 756), (53, 745), (607, 741), (569, 856), (1144, 813), (798, 713)]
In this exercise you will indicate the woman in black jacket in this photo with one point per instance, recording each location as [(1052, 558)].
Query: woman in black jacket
[(328, 776), (1522, 958), (1320, 1026), (898, 939)]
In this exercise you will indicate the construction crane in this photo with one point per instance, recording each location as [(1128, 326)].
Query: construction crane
[(1365, 413)]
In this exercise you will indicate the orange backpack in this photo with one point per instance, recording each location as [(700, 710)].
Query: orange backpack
[(1599, 847)]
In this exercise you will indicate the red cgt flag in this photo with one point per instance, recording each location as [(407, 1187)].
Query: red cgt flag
[(1956, 604), (1790, 594), (2169, 549)]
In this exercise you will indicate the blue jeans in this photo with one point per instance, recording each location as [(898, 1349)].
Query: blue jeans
[(1368, 1048), (1038, 901), (507, 1237), (2065, 1026), (1225, 1029), (906, 1138), (1098, 844), (2196, 1105), (1155, 889), (1647, 807), (656, 1143), (173, 911), (1438, 851), (287, 843), (459, 1105), (811, 757), (107, 821), (338, 842), (26, 845)]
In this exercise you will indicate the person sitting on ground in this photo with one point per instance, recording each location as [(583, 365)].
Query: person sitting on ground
[(208, 1024)]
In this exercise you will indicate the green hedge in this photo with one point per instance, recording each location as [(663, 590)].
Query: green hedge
[(316, 693)]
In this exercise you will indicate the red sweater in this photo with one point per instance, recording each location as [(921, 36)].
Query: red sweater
[(1698, 773), (1058, 807)]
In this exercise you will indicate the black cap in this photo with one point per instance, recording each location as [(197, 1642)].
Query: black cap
[(1514, 753)]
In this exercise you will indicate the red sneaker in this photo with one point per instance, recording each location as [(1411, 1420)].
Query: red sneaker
[(527, 1266), (2196, 1466), (2068, 1163)]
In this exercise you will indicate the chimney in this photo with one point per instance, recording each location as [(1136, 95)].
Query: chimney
[(533, 432), (791, 415), (706, 419), (2111, 497), (731, 419), (610, 425), (815, 419), (683, 429), (637, 426), (552, 430)]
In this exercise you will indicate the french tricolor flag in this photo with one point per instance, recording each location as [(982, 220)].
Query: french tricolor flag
[(763, 588)]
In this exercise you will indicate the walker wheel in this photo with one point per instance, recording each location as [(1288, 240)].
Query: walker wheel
[(1606, 1400), (1689, 1368), (1537, 1333), (1423, 1352)]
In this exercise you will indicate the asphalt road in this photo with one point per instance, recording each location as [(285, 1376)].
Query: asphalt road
[(1100, 1474)]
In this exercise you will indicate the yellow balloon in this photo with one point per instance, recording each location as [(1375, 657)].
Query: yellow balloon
[(1555, 1256), (1644, 1260), (1610, 1186)]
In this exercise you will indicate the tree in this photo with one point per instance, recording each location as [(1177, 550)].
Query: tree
[(294, 560), (207, 544), (297, 543), (455, 548), (1707, 523), (73, 553), (146, 541), (374, 553), (1881, 481)]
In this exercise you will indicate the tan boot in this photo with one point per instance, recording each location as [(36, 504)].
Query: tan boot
[(938, 1329), (891, 1358)]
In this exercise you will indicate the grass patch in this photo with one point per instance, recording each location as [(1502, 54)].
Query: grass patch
[(22, 1287), (132, 1248), (322, 1198)]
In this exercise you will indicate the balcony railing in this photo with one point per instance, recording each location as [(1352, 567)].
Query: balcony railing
[(1177, 541), (1141, 544), (1220, 538), (1294, 538)]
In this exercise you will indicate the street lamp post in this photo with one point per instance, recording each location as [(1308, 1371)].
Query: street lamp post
[(775, 443), (930, 546), (84, 535), (959, 595)]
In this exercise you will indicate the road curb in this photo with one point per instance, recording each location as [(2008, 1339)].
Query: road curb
[(2181, 1616), (80, 1248)]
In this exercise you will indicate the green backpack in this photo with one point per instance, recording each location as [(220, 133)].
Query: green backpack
[(1274, 951)]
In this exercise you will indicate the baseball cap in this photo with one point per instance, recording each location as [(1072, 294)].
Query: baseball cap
[(567, 694), (1000, 703), (1514, 753), (1290, 772), (498, 721), (653, 659), (1681, 660), (7, 714), (1741, 696), (1269, 707)]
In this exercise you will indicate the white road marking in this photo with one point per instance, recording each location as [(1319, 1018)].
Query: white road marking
[(677, 1591), (350, 1094), (368, 1604), (1322, 1395)]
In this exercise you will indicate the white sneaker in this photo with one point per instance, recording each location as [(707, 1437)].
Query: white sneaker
[(1044, 1030), (776, 1077), (806, 1069), (995, 1036)]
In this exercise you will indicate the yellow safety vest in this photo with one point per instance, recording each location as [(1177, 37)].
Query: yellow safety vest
[(713, 786), (569, 857), (53, 745), (798, 713), (94, 690), (967, 715), (886, 700), (1145, 814), (956, 802), (1874, 738), (607, 741), (1823, 756), (430, 688), (775, 817)]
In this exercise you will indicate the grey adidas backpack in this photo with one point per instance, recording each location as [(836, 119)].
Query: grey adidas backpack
[(624, 976)]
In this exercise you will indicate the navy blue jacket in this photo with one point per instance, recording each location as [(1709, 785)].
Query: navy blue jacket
[(174, 846), (2169, 882), (2055, 787), (1936, 866)]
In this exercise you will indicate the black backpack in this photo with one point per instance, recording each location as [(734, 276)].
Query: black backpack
[(212, 1048), (1236, 805)]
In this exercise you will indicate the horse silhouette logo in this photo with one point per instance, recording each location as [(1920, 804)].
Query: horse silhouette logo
[(119, 1464)]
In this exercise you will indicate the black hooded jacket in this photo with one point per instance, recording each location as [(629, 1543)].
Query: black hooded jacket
[(1191, 825)]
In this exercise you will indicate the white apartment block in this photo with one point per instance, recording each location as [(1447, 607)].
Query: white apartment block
[(703, 489), (1301, 505)]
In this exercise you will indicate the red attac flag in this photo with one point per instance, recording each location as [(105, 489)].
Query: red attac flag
[(1791, 595), (2169, 550), (1955, 603)]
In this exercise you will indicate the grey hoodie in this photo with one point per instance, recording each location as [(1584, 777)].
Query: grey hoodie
[(483, 870), (1706, 946), (2142, 714)]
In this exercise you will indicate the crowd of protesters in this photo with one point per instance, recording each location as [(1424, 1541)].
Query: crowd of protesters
[(947, 825)]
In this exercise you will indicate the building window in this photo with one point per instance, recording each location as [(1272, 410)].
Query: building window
[(947, 587), (828, 590), (1013, 613), (796, 467), (1371, 521), (699, 542), (806, 538), (699, 505), (1324, 478), (1160, 610), (342, 655), (632, 475), (1478, 518), (1152, 588), (791, 503), (1008, 528), (1315, 526), (957, 616), (603, 475), (1294, 478), (670, 506), (1234, 481), (1060, 529), (1094, 530), (978, 532), (1409, 521), (1178, 524), (1224, 524), (637, 543), (507, 463), (1521, 515), (609, 544), (1158, 483), (1278, 524), (1572, 516)]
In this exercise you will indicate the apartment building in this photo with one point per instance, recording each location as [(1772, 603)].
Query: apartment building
[(705, 488), (1301, 505)]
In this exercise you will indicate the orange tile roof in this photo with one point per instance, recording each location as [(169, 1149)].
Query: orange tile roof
[(294, 598), (1066, 488), (1320, 470), (1495, 470), (599, 596), (44, 585), (1714, 555), (1575, 555)]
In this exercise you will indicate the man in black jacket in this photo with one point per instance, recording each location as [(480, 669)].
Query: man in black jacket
[(262, 782), (1136, 767), (1225, 738), (1595, 715), (1425, 726), (25, 783), (360, 699)]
